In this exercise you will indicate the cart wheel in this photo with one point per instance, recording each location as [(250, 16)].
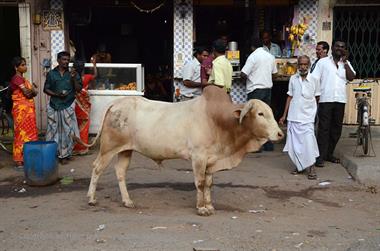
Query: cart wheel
[(365, 132)]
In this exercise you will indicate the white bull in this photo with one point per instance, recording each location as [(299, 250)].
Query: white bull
[(210, 131)]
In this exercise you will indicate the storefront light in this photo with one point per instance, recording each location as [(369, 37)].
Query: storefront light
[(37, 19)]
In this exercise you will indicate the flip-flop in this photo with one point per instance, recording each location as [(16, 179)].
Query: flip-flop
[(319, 164), (334, 160), (312, 175), (296, 172)]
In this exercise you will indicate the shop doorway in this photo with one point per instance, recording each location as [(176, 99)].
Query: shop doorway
[(130, 33), (10, 47), (9, 40)]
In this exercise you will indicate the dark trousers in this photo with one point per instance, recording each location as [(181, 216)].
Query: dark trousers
[(264, 95), (330, 117)]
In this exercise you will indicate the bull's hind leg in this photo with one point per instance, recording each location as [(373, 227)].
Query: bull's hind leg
[(100, 164), (121, 168), (207, 193)]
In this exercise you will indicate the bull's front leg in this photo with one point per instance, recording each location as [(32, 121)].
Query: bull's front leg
[(199, 169), (207, 193)]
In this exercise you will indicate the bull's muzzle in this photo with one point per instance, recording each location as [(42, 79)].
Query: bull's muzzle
[(278, 136)]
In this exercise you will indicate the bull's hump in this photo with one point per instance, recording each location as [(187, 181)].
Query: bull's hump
[(213, 93)]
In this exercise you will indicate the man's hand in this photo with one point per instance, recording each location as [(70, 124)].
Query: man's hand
[(281, 121), (208, 71), (93, 60), (73, 73), (345, 55), (62, 95)]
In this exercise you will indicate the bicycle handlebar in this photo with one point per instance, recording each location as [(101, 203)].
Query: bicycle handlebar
[(364, 81)]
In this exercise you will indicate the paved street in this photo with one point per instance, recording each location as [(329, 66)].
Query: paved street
[(260, 206)]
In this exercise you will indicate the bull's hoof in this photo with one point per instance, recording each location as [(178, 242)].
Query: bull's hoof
[(202, 211), (92, 203), (129, 204), (211, 209)]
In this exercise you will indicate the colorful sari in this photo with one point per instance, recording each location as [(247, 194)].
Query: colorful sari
[(24, 116), (82, 112)]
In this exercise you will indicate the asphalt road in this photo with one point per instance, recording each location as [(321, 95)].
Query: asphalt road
[(260, 206)]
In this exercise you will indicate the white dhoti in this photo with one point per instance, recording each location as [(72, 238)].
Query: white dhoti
[(301, 144)]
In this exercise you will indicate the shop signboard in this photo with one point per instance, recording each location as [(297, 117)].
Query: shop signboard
[(52, 20)]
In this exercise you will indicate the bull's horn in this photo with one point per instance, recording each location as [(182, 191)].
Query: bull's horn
[(245, 110)]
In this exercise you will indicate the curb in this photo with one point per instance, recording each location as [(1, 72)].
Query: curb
[(350, 166), (364, 170)]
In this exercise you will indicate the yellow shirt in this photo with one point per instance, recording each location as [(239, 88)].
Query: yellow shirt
[(221, 73)]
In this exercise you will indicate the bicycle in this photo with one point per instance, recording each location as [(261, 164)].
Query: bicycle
[(4, 128), (363, 105)]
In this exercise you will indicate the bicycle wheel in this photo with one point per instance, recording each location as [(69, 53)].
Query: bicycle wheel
[(364, 134), (359, 138)]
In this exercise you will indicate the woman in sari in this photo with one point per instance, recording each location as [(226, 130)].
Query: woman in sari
[(23, 110), (83, 109)]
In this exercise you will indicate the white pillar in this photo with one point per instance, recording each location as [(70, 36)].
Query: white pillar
[(325, 21), (25, 38), (57, 37), (183, 35)]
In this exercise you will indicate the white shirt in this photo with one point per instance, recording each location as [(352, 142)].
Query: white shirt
[(333, 80), (303, 106), (259, 68), (191, 71)]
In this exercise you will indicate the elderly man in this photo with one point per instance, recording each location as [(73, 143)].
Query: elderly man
[(321, 51), (62, 85), (333, 73), (301, 103), (270, 47), (191, 74), (258, 70)]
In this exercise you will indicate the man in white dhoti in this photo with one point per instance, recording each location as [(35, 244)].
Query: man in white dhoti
[(300, 111)]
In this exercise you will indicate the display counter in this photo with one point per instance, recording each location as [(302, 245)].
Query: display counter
[(286, 67), (114, 81)]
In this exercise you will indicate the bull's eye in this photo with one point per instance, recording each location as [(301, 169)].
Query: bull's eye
[(261, 114)]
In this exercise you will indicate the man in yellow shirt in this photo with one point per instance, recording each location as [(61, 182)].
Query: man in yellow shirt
[(221, 74)]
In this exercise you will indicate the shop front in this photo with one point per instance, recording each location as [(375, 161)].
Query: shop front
[(131, 43), (150, 41), (242, 21)]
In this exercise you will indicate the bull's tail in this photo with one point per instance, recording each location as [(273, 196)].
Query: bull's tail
[(80, 141)]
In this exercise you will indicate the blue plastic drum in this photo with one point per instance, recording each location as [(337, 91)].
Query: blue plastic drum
[(40, 163)]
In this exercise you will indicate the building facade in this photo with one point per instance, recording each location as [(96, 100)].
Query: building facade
[(43, 33)]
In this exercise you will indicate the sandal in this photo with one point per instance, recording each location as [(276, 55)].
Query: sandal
[(296, 172), (319, 163), (334, 160), (312, 174)]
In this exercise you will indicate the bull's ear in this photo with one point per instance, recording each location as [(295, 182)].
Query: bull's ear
[(248, 106), (237, 113)]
